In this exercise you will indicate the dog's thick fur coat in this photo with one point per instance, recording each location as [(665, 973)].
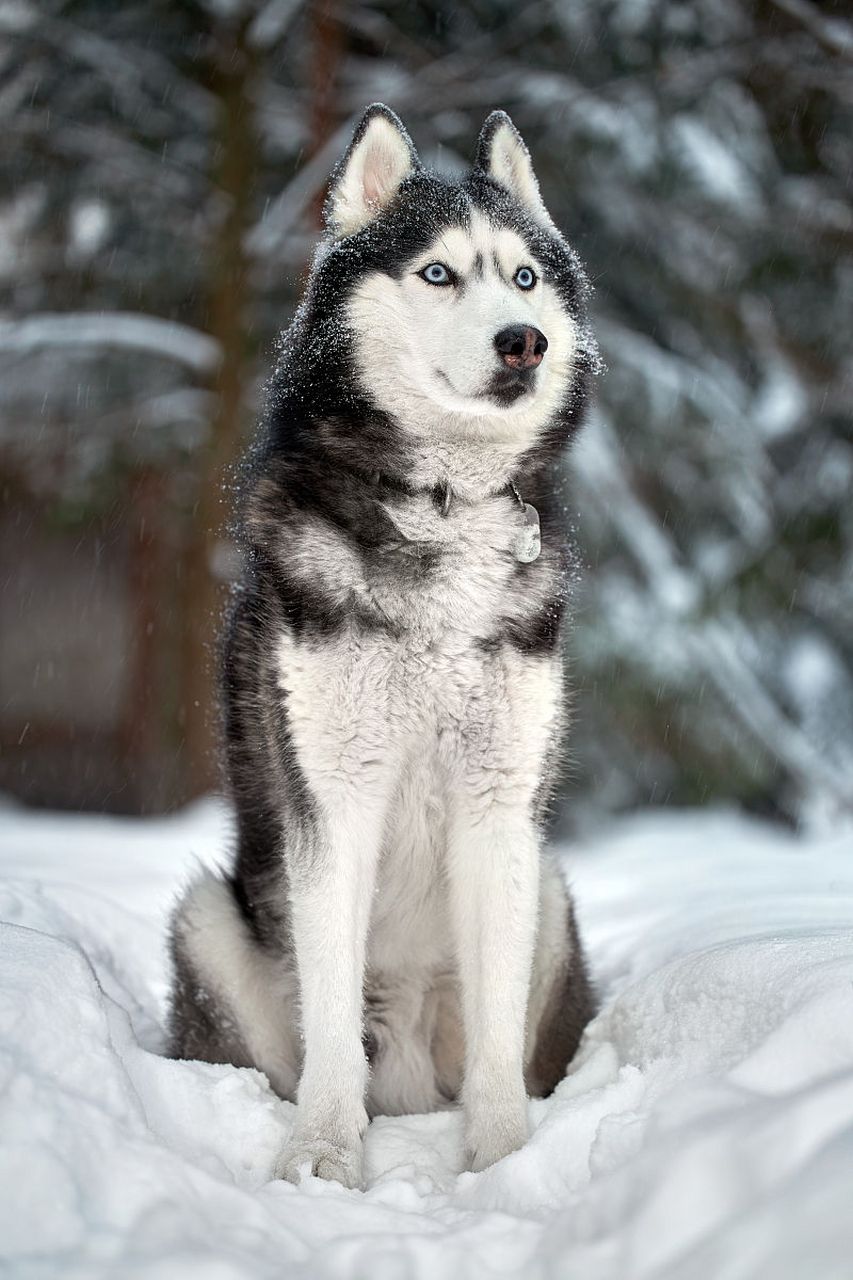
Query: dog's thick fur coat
[(393, 935)]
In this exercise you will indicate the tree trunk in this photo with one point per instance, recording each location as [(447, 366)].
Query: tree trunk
[(327, 44), (231, 70)]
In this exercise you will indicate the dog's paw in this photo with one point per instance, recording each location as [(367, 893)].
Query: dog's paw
[(488, 1143), (320, 1158)]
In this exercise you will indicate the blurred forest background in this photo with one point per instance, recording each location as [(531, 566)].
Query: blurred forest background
[(161, 173)]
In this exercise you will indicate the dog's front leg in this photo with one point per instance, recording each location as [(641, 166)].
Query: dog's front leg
[(330, 906), (494, 879)]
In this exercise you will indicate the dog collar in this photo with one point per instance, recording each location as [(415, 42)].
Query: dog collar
[(527, 541)]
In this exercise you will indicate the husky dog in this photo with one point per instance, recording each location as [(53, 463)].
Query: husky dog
[(393, 935)]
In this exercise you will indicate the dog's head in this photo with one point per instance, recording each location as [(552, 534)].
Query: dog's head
[(461, 302)]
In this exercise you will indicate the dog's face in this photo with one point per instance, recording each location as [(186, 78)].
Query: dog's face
[(463, 306)]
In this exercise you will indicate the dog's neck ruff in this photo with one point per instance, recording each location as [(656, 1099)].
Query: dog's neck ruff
[(527, 542)]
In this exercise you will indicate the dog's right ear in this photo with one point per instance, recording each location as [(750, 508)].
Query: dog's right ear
[(502, 156), (379, 158)]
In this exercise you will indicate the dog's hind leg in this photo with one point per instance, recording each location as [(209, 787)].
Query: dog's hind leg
[(400, 1017), (233, 1000), (448, 1037), (562, 1000)]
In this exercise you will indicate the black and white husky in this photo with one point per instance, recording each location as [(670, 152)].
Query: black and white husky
[(393, 935)]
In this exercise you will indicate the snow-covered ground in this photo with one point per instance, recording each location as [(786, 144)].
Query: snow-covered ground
[(707, 1130)]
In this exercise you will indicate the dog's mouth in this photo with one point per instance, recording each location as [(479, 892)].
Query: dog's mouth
[(504, 389), (509, 385)]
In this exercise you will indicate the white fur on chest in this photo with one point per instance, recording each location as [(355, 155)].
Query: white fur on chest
[(399, 726)]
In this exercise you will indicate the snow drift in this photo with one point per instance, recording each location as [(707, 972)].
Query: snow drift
[(706, 1129)]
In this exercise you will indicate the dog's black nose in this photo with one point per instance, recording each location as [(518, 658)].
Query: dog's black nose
[(521, 347)]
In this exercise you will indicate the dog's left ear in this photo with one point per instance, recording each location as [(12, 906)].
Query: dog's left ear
[(379, 158), (502, 155)]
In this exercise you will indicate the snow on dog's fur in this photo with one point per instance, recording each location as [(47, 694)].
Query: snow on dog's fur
[(394, 935)]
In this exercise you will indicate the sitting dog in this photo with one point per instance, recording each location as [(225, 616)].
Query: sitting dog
[(393, 936)]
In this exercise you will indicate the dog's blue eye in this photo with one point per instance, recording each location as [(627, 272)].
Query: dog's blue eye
[(436, 273), (525, 277)]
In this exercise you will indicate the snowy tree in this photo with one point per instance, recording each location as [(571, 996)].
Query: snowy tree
[(131, 342), (158, 203)]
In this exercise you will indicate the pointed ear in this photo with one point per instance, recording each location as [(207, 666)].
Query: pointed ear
[(379, 158), (502, 155)]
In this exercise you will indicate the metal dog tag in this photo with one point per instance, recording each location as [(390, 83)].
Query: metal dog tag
[(528, 540)]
